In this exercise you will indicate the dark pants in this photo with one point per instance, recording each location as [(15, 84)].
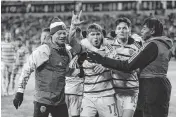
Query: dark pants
[(43, 110), (154, 97)]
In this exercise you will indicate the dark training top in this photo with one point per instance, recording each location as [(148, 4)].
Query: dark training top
[(146, 55)]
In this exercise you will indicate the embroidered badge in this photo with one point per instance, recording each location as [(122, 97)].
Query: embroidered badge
[(60, 64), (43, 109), (131, 52)]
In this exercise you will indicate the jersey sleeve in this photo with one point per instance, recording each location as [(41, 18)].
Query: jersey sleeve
[(36, 59)]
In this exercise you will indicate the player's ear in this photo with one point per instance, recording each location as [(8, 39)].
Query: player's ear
[(116, 32), (129, 31), (152, 32)]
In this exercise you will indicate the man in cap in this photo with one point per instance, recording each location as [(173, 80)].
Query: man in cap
[(49, 61)]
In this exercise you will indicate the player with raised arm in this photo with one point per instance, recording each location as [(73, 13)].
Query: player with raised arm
[(98, 95), (74, 78)]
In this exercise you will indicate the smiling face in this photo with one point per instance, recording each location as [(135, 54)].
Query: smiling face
[(59, 37), (122, 31), (95, 38), (146, 32)]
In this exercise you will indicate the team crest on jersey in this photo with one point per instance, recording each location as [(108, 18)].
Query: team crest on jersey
[(43, 109), (60, 64), (131, 52)]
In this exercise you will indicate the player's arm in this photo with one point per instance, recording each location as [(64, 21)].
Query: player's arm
[(36, 59), (141, 59), (76, 47), (72, 32)]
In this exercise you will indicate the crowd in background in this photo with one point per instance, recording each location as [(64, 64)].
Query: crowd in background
[(29, 27)]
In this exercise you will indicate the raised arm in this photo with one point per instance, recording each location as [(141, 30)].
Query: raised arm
[(78, 47), (75, 22)]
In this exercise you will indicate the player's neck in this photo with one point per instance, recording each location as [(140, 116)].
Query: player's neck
[(123, 41)]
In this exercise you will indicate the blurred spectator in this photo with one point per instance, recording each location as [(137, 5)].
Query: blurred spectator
[(30, 26), (21, 57), (45, 36), (7, 62)]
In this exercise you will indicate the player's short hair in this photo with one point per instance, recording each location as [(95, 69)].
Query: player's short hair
[(78, 29), (154, 23), (123, 19), (104, 32), (84, 33), (113, 34), (94, 27)]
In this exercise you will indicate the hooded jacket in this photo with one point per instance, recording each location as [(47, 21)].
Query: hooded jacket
[(159, 67)]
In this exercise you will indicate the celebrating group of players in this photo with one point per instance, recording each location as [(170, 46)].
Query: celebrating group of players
[(78, 76), (108, 92)]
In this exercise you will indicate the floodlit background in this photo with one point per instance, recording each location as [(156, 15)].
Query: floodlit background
[(26, 19)]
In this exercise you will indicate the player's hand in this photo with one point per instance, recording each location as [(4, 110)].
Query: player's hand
[(94, 57), (17, 101), (76, 18), (99, 69)]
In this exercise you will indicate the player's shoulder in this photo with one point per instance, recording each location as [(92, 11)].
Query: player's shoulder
[(108, 41), (44, 48)]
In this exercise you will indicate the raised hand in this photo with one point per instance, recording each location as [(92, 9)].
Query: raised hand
[(76, 18), (94, 57)]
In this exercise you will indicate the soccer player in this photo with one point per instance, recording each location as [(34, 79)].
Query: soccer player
[(99, 93), (21, 57), (74, 78), (7, 61), (125, 83), (45, 36), (74, 87), (153, 60)]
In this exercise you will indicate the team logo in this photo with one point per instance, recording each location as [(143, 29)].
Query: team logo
[(131, 52), (60, 64), (43, 109)]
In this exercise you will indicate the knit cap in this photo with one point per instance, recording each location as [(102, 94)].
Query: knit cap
[(56, 25)]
